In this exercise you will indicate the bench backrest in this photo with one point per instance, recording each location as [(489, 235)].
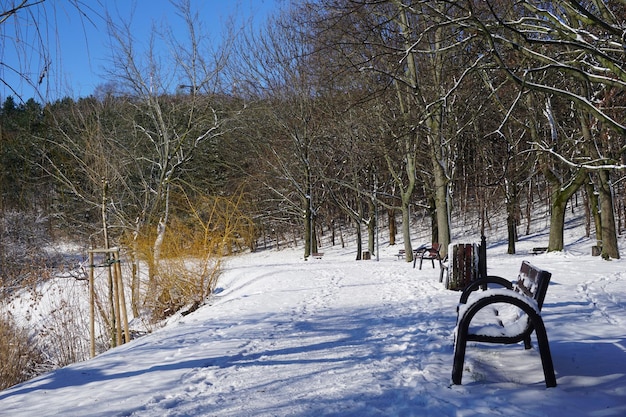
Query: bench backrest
[(533, 282), (433, 251)]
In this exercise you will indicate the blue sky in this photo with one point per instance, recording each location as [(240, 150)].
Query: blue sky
[(78, 46)]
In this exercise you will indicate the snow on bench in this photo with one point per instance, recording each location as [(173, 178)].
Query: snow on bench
[(504, 315)]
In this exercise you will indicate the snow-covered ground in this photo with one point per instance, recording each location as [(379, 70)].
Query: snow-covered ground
[(335, 336)]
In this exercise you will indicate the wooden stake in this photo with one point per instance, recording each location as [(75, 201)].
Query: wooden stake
[(92, 330), (119, 316), (120, 285), (116, 302)]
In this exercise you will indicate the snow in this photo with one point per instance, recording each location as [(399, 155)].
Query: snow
[(497, 319), (339, 337)]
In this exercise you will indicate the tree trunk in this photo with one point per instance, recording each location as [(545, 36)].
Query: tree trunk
[(609, 235), (529, 206), (308, 229), (441, 205), (406, 231), (371, 226), (511, 232), (594, 212), (560, 196), (557, 221), (359, 241), (432, 212), (158, 242), (607, 232), (511, 215), (393, 227)]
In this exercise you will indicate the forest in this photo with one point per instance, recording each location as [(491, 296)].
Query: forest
[(335, 117)]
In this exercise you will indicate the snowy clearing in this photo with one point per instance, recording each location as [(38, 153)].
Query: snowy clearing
[(335, 336)]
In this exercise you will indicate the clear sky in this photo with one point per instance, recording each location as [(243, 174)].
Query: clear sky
[(78, 45)]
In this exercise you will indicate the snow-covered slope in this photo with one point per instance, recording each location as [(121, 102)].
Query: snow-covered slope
[(285, 337)]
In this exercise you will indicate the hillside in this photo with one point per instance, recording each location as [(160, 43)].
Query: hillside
[(335, 336)]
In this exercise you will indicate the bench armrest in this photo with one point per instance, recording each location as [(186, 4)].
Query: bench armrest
[(528, 305), (490, 279)]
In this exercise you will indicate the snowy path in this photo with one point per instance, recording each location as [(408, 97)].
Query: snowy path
[(337, 344), (284, 337)]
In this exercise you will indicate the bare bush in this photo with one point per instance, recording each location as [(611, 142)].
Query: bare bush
[(23, 237), (19, 359), (63, 331)]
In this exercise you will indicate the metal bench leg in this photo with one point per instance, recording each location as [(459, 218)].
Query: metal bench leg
[(544, 352), (459, 358)]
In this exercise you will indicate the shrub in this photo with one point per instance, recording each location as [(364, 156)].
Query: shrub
[(198, 236), (19, 359), (23, 239)]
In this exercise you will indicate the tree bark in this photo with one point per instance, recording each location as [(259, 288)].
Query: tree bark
[(609, 234), (371, 226), (560, 195), (594, 212), (393, 227), (511, 215)]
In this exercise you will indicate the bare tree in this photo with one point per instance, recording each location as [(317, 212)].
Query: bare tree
[(274, 75), (416, 51), (572, 50), (580, 40), (27, 34), (177, 100)]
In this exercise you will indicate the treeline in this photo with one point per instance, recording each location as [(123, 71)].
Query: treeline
[(332, 112)]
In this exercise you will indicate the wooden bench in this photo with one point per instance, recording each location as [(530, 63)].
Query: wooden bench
[(527, 294), (416, 253), (429, 252), (317, 255), (538, 250)]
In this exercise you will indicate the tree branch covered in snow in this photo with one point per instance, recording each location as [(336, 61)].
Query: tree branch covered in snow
[(539, 44)]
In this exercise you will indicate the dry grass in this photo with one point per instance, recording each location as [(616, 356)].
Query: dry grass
[(19, 359)]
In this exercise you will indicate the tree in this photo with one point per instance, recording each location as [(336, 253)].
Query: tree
[(25, 194), (274, 76), (169, 129), (417, 51), (27, 55), (22, 188), (580, 45)]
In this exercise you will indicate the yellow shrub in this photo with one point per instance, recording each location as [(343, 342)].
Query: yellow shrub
[(198, 235)]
